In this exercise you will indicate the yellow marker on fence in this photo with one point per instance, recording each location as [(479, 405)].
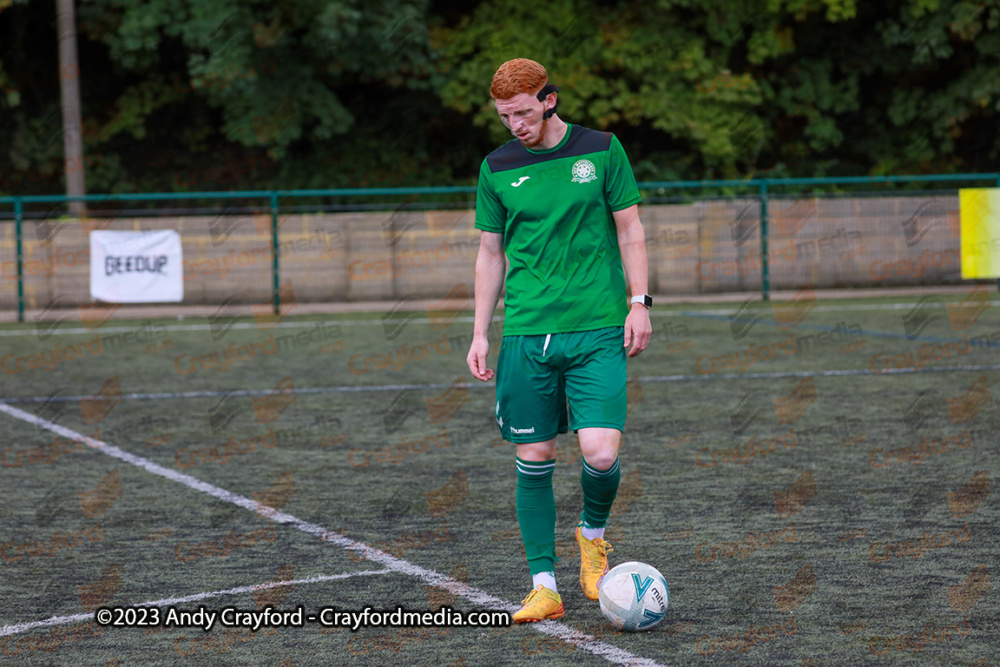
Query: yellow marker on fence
[(980, 215)]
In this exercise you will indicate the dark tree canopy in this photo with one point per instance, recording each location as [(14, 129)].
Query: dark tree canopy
[(224, 95)]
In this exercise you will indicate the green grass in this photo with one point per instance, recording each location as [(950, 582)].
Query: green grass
[(671, 510)]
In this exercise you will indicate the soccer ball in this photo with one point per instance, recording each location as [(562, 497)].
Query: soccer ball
[(634, 596)]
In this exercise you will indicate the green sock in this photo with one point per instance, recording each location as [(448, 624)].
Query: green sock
[(536, 513), (599, 490)]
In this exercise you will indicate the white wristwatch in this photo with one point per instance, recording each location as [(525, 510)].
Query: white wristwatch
[(644, 299)]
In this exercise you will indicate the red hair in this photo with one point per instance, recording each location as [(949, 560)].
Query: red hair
[(518, 76)]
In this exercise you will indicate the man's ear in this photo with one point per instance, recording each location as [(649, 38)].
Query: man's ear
[(549, 106)]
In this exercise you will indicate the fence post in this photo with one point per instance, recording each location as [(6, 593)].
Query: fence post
[(18, 215), (275, 276), (765, 279)]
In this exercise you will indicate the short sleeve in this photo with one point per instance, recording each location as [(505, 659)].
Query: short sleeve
[(620, 188), (491, 216)]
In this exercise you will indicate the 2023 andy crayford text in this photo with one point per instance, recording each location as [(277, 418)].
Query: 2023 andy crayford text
[(269, 617)]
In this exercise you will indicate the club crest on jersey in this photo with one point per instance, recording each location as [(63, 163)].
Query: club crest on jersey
[(584, 171)]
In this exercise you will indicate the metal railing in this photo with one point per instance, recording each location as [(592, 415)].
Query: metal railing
[(763, 187)]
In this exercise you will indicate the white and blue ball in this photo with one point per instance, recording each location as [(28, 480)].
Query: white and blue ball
[(634, 596)]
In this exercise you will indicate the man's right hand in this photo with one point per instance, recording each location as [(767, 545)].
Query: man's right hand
[(478, 352)]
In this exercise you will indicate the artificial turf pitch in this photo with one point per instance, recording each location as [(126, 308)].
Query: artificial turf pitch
[(803, 509)]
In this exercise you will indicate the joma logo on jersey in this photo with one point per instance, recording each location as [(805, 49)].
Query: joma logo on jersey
[(584, 171)]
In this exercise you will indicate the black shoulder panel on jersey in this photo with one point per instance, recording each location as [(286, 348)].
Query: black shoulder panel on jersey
[(510, 156), (582, 141)]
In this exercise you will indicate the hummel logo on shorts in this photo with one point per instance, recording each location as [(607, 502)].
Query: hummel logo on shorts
[(520, 180)]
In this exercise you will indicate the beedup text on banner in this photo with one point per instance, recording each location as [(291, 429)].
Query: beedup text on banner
[(136, 267)]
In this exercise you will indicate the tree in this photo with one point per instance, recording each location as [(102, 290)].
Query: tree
[(204, 95), (223, 95), (719, 90)]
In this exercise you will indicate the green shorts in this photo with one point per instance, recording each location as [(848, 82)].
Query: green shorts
[(536, 375)]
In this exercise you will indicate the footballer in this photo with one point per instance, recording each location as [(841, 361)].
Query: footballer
[(560, 204)]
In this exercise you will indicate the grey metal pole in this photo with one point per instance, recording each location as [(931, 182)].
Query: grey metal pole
[(275, 266), (765, 267), (18, 230)]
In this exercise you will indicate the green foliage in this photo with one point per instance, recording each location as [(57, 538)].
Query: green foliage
[(193, 94), (796, 87), (219, 94)]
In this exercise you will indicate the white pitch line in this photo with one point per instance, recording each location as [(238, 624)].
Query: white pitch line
[(844, 308), (825, 373), (672, 310), (478, 596), (482, 385), (302, 324), (242, 392), (63, 620)]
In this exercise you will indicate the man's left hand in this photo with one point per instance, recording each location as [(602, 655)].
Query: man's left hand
[(638, 330)]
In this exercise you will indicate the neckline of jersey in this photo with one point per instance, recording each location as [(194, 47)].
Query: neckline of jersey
[(544, 151)]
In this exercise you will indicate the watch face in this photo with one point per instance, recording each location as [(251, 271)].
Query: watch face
[(645, 300)]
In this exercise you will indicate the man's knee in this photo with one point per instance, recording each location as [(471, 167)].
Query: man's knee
[(600, 447), (537, 451), (602, 458)]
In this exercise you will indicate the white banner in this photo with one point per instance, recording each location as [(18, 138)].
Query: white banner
[(136, 267)]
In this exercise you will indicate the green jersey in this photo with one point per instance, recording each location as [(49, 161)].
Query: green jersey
[(554, 208)]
